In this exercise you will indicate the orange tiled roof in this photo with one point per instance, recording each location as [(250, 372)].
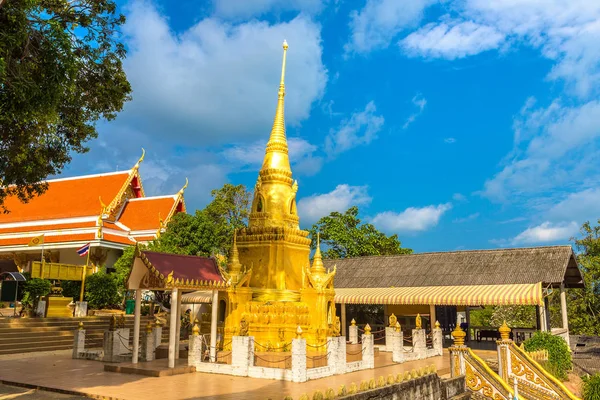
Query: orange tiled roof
[(80, 237), (111, 225), (145, 213), (144, 238), (48, 227), (67, 198), (117, 239)]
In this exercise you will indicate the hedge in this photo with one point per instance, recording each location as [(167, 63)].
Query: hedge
[(559, 355)]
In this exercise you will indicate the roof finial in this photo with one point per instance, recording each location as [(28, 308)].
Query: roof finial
[(317, 265), (234, 258), (137, 164), (184, 186)]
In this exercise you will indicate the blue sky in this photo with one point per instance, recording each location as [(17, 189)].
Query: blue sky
[(456, 124)]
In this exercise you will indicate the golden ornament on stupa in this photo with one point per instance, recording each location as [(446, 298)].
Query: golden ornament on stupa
[(273, 286), (459, 336)]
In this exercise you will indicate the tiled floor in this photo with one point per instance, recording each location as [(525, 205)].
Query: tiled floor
[(58, 370)]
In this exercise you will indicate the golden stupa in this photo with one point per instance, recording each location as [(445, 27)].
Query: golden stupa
[(274, 289)]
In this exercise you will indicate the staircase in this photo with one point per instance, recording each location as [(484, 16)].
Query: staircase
[(24, 335)]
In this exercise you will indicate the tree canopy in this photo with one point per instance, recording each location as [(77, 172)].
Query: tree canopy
[(583, 305), (344, 235), (60, 72)]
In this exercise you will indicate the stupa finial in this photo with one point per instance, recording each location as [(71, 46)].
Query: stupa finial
[(277, 148), (234, 258)]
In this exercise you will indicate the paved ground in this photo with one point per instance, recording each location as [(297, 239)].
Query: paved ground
[(57, 370), (18, 393)]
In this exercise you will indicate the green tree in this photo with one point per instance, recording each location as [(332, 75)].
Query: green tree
[(208, 231), (343, 235), (60, 72), (583, 305), (102, 291)]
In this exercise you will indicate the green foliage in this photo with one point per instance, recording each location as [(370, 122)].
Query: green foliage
[(60, 72), (209, 231), (583, 305), (482, 317), (559, 355), (591, 387), (33, 289), (515, 316), (102, 291), (123, 267), (71, 289), (343, 235)]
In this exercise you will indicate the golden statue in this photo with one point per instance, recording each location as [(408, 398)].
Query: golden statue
[(243, 327), (418, 322), (273, 283), (392, 320)]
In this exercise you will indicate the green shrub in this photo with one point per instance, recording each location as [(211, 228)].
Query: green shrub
[(559, 355), (71, 289), (591, 387), (102, 291), (33, 289)]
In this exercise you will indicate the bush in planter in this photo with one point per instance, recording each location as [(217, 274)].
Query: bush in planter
[(591, 387), (71, 289), (559, 355), (32, 290), (102, 291)]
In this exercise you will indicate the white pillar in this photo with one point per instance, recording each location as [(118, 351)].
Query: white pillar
[(299, 360), (136, 325), (432, 316), (353, 334), (173, 327), (343, 312), (213, 326), (178, 333), (543, 324), (563, 306)]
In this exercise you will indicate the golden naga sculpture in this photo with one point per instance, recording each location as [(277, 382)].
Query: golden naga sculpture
[(273, 285), (392, 320)]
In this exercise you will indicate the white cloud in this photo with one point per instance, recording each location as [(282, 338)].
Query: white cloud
[(217, 82), (546, 232), (565, 31), (449, 140), (410, 220), (555, 148), (375, 25), (361, 128), (579, 206), (456, 39), (420, 102), (251, 155), (459, 197), (468, 218), (239, 9), (312, 208)]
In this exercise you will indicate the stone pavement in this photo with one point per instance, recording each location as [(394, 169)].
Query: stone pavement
[(58, 371), (18, 393)]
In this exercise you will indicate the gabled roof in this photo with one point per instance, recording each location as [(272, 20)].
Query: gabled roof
[(550, 265), (109, 209), (67, 198), (153, 270), (148, 213)]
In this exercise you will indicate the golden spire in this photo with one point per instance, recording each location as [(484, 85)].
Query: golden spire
[(276, 156), (234, 258), (317, 265)]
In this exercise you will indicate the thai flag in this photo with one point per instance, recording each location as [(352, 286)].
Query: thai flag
[(83, 250)]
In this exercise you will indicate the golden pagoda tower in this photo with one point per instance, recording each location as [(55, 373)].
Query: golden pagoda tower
[(273, 287)]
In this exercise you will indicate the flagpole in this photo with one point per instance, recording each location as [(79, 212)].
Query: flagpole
[(42, 261), (84, 274)]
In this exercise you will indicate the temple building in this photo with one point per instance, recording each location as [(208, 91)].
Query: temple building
[(110, 211)]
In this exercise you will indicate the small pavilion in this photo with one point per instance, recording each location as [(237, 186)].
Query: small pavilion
[(177, 274), (430, 284)]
